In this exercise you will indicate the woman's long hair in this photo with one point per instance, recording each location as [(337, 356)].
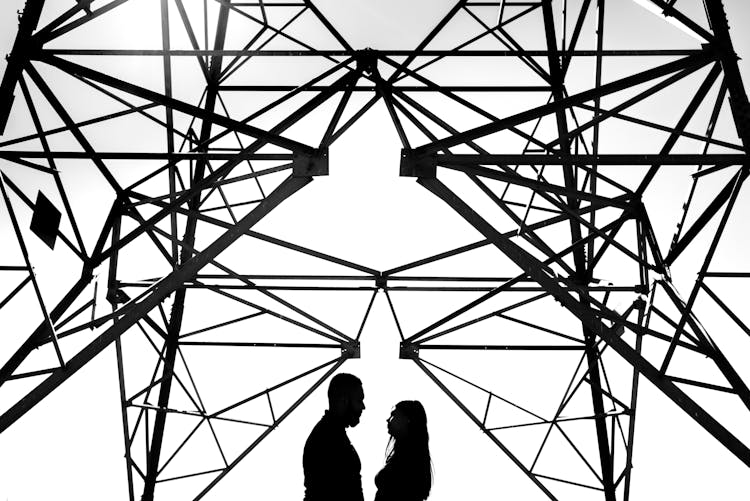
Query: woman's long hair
[(413, 448)]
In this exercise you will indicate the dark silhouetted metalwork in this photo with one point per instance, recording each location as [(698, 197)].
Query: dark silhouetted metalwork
[(153, 167)]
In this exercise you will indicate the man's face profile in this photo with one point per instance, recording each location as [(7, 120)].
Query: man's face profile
[(355, 405)]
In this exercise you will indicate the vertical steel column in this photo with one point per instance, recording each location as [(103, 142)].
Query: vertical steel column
[(738, 101), (740, 107), (644, 316), (157, 293), (178, 306), (597, 107), (579, 256), (167, 62), (539, 273), (49, 323), (18, 58), (112, 296)]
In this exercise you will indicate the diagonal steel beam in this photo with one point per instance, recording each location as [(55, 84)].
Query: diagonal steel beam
[(335, 364), (692, 61), (160, 291), (175, 104), (589, 319), (178, 306), (310, 5), (27, 23), (740, 107), (533, 477), (510, 177), (426, 41), (53, 30)]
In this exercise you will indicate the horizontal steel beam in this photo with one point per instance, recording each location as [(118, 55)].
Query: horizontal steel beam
[(692, 61), (723, 159), (590, 318), (175, 104), (403, 88), (386, 53), (145, 155), (139, 307)]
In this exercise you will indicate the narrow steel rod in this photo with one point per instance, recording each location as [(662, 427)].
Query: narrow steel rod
[(493, 438), (535, 270), (336, 364), (155, 296)]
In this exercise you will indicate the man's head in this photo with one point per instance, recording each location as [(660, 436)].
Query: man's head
[(346, 398)]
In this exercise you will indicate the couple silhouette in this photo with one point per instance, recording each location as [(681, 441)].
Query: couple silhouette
[(332, 467)]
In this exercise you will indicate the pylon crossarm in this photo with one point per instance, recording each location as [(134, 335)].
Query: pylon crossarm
[(157, 294), (535, 270), (694, 61), (555, 131)]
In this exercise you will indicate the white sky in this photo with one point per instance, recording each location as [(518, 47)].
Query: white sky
[(70, 446)]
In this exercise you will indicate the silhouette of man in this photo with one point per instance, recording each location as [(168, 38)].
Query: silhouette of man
[(332, 467)]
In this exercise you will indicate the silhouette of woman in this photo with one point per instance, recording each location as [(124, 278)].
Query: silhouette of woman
[(407, 474)]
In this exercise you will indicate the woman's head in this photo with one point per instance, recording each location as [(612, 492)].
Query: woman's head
[(410, 442), (408, 421)]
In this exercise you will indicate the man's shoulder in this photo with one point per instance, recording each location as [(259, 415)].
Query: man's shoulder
[(327, 427), (320, 432), (320, 427)]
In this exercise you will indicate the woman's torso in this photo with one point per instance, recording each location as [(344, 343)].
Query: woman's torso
[(400, 480)]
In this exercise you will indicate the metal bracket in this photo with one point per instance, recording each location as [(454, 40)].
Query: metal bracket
[(381, 282), (350, 349), (85, 5), (306, 165), (408, 351), (117, 296), (421, 166), (367, 61)]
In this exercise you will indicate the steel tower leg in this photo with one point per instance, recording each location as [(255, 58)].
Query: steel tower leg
[(582, 271)]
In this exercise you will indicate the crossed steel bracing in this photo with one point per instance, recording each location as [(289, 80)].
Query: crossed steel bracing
[(552, 131)]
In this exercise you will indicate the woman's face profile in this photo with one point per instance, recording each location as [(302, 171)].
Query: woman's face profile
[(398, 424)]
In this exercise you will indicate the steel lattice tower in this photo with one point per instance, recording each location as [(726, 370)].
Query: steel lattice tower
[(550, 131)]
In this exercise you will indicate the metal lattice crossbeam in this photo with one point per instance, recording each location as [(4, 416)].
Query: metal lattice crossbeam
[(550, 131)]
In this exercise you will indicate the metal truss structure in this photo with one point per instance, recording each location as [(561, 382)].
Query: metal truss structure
[(552, 131)]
